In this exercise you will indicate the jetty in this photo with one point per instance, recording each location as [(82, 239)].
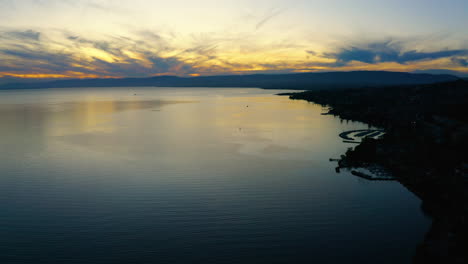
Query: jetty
[(370, 177)]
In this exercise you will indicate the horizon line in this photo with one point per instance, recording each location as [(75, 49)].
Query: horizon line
[(53, 77)]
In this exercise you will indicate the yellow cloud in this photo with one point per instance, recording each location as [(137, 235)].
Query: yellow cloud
[(93, 53)]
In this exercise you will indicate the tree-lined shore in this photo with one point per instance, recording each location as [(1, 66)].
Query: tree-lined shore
[(424, 147)]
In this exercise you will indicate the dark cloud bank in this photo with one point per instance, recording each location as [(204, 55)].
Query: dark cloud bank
[(389, 51)]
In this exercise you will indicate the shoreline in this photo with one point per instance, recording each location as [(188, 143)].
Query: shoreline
[(424, 146)]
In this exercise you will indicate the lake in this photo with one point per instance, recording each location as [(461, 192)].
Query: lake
[(189, 175)]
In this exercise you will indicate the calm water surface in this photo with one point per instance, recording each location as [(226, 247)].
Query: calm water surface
[(173, 175)]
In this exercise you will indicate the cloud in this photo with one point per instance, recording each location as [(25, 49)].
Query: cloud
[(142, 53), (113, 56), (22, 35), (460, 61), (415, 55), (388, 51), (268, 17), (206, 50)]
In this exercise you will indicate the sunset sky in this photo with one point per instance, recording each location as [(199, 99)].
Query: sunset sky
[(139, 38)]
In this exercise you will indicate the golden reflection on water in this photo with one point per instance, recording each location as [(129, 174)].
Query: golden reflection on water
[(62, 118), (209, 121), (72, 162), (93, 116)]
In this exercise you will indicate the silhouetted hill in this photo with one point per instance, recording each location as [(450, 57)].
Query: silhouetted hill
[(442, 71), (308, 81), (16, 80)]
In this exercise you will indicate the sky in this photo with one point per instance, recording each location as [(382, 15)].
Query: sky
[(141, 38)]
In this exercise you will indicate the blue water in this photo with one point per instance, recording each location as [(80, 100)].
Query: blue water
[(199, 175)]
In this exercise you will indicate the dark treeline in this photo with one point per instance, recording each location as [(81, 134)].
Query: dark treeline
[(425, 148)]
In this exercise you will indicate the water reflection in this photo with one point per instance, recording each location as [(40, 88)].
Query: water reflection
[(108, 178), (81, 116), (34, 123)]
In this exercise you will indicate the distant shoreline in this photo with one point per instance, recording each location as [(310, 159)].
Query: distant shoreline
[(292, 81)]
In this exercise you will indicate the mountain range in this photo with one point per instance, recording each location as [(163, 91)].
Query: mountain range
[(305, 81)]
